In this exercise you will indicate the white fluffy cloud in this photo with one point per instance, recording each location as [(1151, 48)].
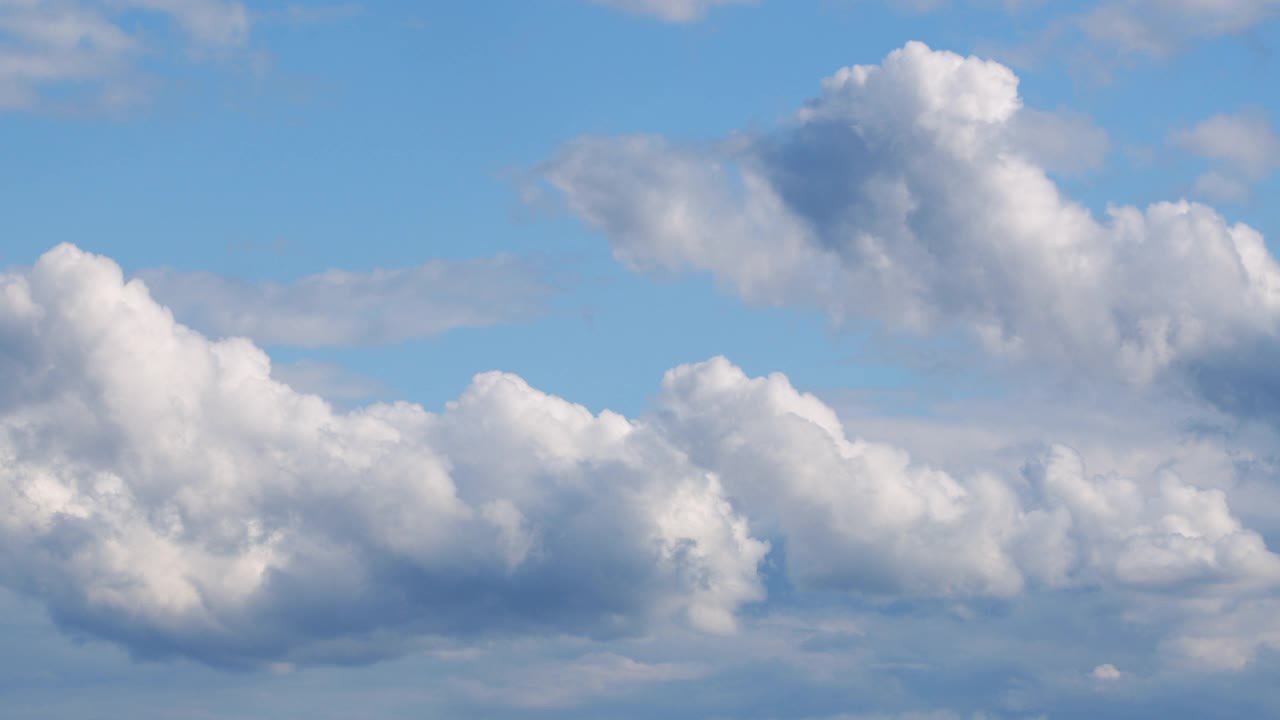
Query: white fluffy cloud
[(354, 308), (907, 193), (160, 490), (860, 515), (95, 43), (675, 11)]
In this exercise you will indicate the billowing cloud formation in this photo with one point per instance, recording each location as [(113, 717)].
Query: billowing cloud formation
[(160, 490), (862, 516), (675, 11), (95, 43), (354, 308), (907, 193)]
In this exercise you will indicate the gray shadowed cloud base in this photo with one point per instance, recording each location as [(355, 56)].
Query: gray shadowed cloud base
[(911, 194), (161, 491)]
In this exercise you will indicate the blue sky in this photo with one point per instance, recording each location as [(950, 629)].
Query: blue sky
[(635, 358)]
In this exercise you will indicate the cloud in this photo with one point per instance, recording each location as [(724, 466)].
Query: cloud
[(94, 46), (1101, 31), (1158, 27), (1106, 672), (162, 491), (908, 194), (330, 381), (672, 11), (1243, 141), (863, 516), (562, 684), (1229, 640), (1062, 142), (355, 308), (213, 23), (1242, 146)]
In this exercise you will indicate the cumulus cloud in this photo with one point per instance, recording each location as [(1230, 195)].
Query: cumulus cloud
[(160, 490), (94, 44), (908, 194), (354, 308), (1243, 148), (859, 515), (673, 11)]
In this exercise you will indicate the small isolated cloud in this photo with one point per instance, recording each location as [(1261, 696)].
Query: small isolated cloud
[(1106, 672), (672, 11), (94, 46), (355, 308), (1242, 147)]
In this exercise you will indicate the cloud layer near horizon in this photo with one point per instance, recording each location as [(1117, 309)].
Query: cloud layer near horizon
[(161, 491)]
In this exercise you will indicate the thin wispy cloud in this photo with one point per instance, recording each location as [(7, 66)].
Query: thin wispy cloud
[(97, 49), (673, 11), (1243, 148), (343, 308)]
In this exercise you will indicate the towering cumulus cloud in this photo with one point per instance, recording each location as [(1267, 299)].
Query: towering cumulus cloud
[(158, 489), (910, 193)]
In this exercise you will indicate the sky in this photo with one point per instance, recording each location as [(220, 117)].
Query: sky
[(707, 359)]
